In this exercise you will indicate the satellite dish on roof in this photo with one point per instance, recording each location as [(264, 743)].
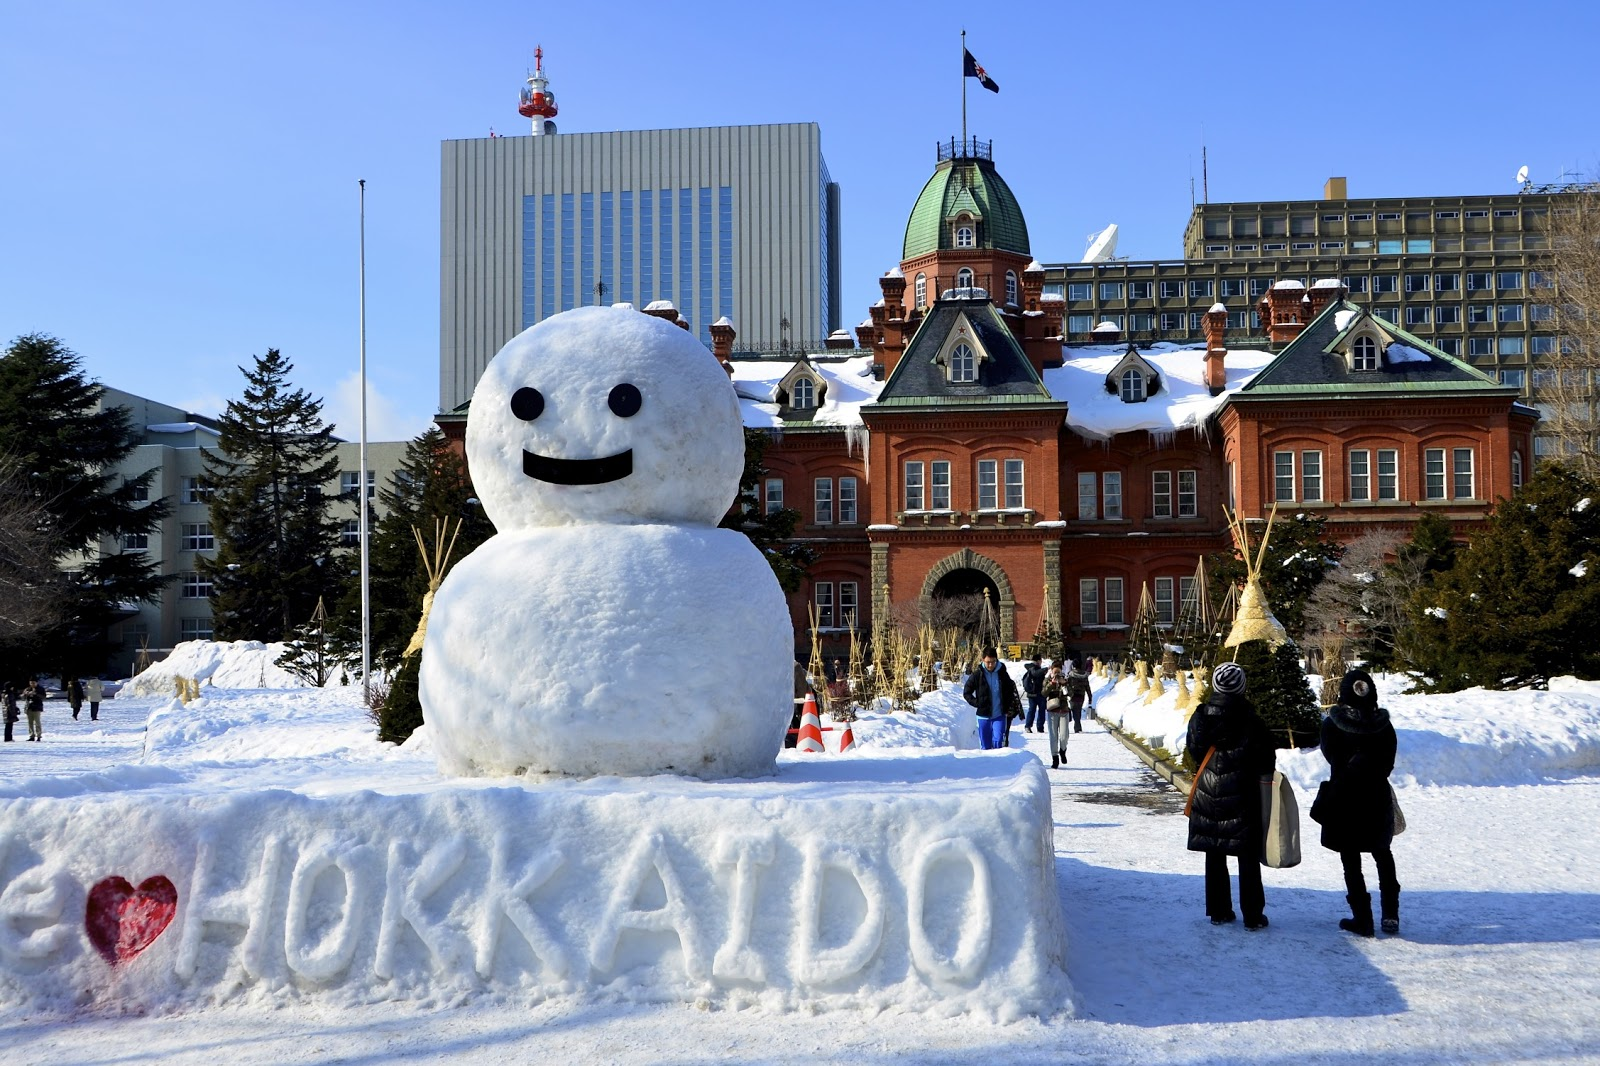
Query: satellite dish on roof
[(1102, 245), (549, 126), (1522, 176)]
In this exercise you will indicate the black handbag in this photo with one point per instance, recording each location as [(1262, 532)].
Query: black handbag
[(1322, 806)]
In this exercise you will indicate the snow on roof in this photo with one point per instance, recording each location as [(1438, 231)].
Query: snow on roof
[(1052, 297), (1219, 306), (893, 272), (723, 321), (1404, 353), (1326, 283), (180, 427), (1107, 327), (1342, 318), (1288, 283), (1182, 402), (849, 385), (967, 292), (623, 305), (1033, 264), (660, 305)]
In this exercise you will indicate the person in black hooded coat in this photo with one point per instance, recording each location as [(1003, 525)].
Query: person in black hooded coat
[(1355, 806), (1225, 805)]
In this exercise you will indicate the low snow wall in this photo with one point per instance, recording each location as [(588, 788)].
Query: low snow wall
[(831, 887)]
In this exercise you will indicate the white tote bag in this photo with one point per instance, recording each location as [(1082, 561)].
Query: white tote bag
[(1280, 824)]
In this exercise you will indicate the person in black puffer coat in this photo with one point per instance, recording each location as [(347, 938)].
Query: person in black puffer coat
[(1225, 811), (1354, 807)]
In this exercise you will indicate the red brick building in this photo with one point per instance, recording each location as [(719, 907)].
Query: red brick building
[(962, 446)]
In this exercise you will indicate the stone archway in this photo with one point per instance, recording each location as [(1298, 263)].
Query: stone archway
[(967, 559)]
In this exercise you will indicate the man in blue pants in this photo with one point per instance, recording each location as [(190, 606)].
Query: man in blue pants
[(990, 690)]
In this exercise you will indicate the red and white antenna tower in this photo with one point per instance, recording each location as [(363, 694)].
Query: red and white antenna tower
[(537, 102)]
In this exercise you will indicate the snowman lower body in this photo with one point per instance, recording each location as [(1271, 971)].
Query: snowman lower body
[(609, 649)]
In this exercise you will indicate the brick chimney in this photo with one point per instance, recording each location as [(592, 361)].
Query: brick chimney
[(1283, 311), (1032, 286), (867, 335), (1216, 327), (893, 284), (1106, 333), (722, 334), (1324, 291), (662, 309), (839, 339)]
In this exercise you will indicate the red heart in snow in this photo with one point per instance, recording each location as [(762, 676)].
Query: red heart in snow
[(122, 920)]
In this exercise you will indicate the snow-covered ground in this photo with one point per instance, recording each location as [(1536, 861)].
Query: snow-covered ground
[(1499, 960)]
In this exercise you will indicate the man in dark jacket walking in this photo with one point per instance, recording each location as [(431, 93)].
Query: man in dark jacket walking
[(990, 691), (1355, 806), (1033, 686), (1234, 753)]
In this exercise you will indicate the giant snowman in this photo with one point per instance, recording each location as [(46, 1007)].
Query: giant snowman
[(609, 627)]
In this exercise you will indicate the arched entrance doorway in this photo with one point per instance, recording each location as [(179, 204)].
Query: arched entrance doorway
[(955, 587)]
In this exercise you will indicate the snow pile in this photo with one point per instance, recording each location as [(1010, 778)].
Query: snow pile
[(848, 385), (1182, 402), (241, 727), (1404, 353), (240, 664)]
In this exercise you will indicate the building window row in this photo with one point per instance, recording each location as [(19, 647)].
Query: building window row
[(1000, 485), (1374, 475), (823, 500)]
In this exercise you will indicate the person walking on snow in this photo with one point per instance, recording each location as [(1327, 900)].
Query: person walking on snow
[(75, 696), (1033, 686), (94, 690), (1077, 692), (33, 700), (1234, 753), (990, 691), (1055, 707), (1355, 806)]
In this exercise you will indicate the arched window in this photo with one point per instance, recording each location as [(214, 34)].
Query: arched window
[(963, 364), (964, 278), (963, 236), (804, 393), (1516, 471), (1132, 386), (920, 293), (1364, 355), (1011, 287)]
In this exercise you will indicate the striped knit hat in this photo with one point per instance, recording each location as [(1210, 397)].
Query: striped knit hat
[(1228, 678)]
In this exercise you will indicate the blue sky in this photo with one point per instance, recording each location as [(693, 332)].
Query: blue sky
[(179, 179)]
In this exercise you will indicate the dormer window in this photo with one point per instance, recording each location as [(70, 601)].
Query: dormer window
[(804, 393), (920, 291), (1132, 386), (1011, 288), (964, 278), (964, 237), (1364, 354), (963, 364)]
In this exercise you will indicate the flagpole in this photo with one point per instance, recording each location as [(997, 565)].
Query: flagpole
[(361, 478), (963, 87)]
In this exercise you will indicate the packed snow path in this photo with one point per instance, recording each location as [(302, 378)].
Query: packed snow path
[(1499, 959)]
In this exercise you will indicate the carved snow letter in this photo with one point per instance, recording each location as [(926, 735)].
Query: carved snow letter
[(747, 854), (674, 916), (504, 899)]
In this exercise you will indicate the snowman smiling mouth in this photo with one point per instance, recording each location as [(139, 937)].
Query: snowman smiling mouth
[(599, 471)]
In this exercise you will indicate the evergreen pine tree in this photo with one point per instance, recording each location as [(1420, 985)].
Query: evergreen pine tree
[(770, 532), (50, 429), (401, 713), (276, 545), (1299, 555), (429, 486), (1522, 602), (1277, 688)]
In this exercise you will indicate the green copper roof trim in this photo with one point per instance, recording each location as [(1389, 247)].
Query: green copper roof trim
[(958, 181)]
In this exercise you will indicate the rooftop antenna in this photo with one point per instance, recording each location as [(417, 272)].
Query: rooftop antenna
[(1205, 181)]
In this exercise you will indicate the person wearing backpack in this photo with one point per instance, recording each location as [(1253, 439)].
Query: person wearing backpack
[(1078, 691), (1033, 688)]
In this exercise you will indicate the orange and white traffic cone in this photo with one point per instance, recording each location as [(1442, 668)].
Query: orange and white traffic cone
[(810, 726), (847, 741)]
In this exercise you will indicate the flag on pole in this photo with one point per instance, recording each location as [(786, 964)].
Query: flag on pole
[(971, 69)]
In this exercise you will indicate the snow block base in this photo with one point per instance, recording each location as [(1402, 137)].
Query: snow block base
[(928, 888)]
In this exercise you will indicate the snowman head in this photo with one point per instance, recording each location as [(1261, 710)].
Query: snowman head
[(604, 414)]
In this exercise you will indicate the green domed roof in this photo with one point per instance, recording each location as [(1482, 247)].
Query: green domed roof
[(968, 184)]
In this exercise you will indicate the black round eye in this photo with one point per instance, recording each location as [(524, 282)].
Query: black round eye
[(527, 403), (625, 401)]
